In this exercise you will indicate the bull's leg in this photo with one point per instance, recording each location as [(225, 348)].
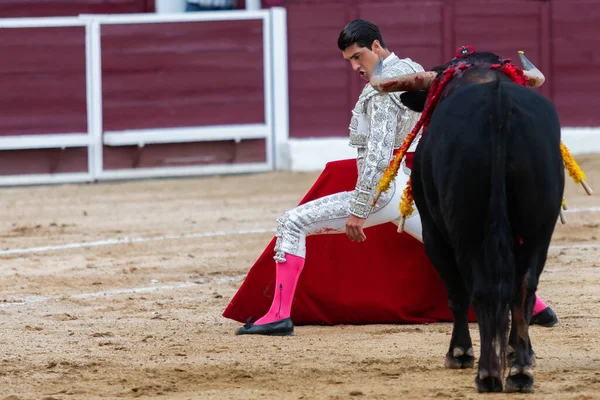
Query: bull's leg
[(460, 352), (530, 261), (490, 369), (520, 357)]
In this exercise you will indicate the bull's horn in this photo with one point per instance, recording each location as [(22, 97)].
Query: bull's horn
[(535, 76), (400, 83)]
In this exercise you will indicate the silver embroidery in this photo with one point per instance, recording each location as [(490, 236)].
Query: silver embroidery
[(307, 219), (378, 125), (389, 121)]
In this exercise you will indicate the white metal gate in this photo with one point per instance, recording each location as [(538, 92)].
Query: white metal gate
[(96, 138)]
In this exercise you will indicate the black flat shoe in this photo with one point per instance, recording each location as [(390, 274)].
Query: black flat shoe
[(283, 327), (547, 317)]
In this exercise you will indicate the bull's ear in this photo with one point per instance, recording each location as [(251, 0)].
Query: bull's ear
[(414, 100)]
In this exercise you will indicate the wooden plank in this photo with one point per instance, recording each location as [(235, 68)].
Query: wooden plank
[(412, 30), (575, 46), (43, 161), (150, 6), (184, 154), (52, 8), (545, 46), (43, 81), (499, 27), (182, 74), (319, 78)]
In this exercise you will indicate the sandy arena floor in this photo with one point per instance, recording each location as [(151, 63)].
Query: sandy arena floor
[(142, 319)]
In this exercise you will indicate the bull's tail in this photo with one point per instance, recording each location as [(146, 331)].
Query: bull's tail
[(493, 290)]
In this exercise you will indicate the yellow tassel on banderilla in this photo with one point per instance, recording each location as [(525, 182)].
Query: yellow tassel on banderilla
[(576, 174)]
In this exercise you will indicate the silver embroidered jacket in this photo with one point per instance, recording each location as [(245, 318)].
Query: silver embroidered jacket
[(379, 124)]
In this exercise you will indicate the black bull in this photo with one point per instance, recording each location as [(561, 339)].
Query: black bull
[(488, 180)]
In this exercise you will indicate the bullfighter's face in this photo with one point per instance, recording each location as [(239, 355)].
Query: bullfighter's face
[(363, 60)]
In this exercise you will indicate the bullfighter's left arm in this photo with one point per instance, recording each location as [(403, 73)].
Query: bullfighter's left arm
[(384, 116)]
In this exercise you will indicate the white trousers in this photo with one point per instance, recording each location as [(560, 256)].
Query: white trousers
[(328, 215)]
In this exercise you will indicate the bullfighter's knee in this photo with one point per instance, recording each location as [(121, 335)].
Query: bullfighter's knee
[(290, 236), (289, 222)]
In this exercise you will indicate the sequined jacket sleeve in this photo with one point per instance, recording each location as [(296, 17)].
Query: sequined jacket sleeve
[(379, 125), (384, 115)]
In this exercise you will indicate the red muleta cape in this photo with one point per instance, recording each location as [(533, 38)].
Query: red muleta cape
[(385, 279)]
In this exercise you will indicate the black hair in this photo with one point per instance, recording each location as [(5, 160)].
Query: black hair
[(360, 32)]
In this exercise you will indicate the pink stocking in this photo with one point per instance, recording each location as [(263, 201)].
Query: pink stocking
[(539, 305), (286, 278)]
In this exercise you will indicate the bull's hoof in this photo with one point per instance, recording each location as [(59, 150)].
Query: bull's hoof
[(520, 380), (459, 359), (487, 384), (519, 383)]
